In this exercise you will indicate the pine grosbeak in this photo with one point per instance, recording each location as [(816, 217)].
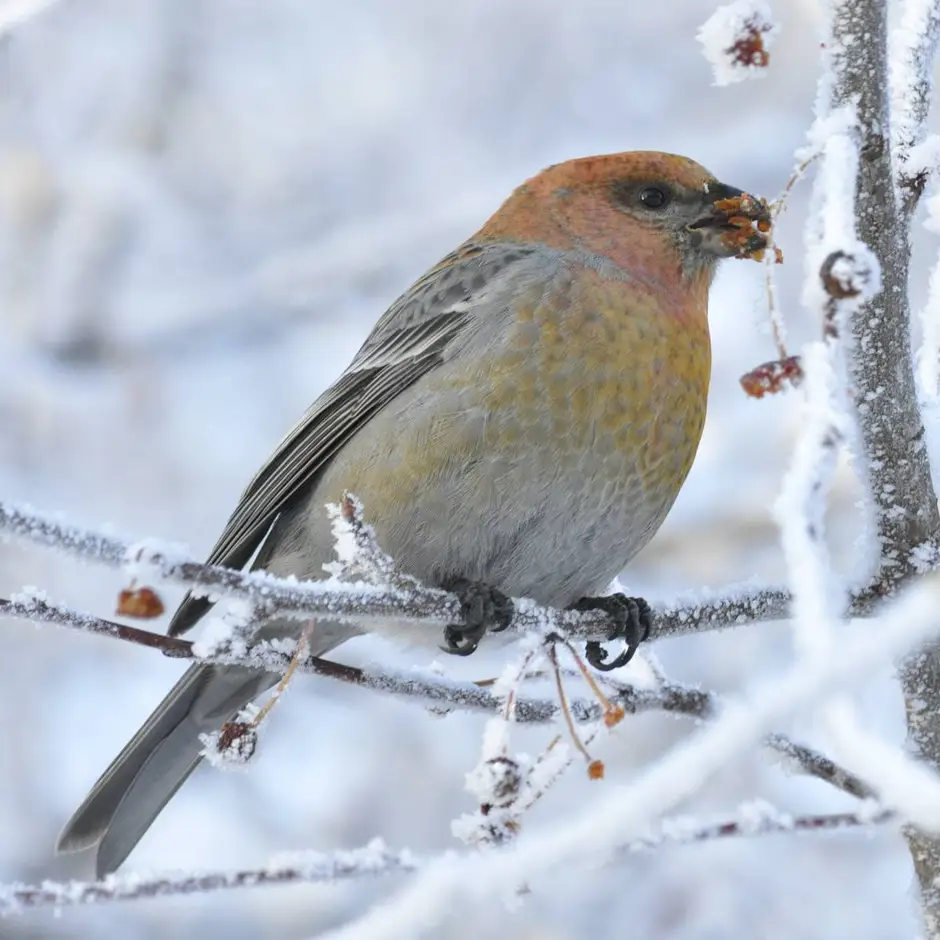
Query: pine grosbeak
[(518, 423)]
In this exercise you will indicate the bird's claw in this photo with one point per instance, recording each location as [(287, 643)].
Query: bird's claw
[(483, 608), (632, 622)]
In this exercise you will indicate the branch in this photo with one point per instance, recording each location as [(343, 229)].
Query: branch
[(618, 814), (882, 370), (306, 868), (812, 763), (443, 695), (913, 48), (378, 606), (758, 819), (375, 859), (33, 606)]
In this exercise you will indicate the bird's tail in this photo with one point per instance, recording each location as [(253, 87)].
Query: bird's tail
[(158, 759)]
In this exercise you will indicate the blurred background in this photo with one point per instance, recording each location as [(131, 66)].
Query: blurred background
[(204, 206)]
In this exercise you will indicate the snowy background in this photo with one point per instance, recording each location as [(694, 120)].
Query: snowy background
[(204, 206)]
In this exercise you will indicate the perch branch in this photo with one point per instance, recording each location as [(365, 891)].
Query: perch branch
[(377, 605), (440, 694)]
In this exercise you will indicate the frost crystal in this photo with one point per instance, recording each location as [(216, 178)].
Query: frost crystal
[(925, 557), (735, 40), (225, 633), (147, 559), (29, 597)]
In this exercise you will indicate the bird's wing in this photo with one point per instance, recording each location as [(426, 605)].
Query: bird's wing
[(407, 343)]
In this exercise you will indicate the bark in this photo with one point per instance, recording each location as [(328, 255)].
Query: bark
[(882, 372)]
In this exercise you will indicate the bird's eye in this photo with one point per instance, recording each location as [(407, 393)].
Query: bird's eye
[(654, 197)]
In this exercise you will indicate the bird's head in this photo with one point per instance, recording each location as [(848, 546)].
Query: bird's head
[(646, 211)]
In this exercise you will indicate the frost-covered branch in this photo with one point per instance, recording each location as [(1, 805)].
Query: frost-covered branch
[(758, 819), (812, 763), (438, 693), (837, 286), (375, 605), (902, 499), (882, 372), (32, 605), (913, 48), (300, 868), (375, 860), (619, 814)]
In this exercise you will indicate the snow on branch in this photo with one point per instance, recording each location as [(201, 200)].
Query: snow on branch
[(619, 814), (848, 278), (902, 502), (32, 604), (805, 760), (374, 605), (855, 76), (843, 274), (300, 868), (928, 354), (912, 50), (757, 819), (440, 694)]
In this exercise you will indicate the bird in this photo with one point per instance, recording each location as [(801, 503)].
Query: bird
[(518, 424)]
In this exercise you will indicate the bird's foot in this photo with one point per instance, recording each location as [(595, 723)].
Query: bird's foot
[(483, 608), (632, 624)]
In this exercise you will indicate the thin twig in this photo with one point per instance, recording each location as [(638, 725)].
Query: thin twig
[(734, 606), (376, 606), (374, 860), (307, 868), (762, 822), (913, 47), (443, 695), (812, 763)]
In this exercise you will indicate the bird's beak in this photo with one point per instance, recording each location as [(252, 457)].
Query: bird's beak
[(733, 224)]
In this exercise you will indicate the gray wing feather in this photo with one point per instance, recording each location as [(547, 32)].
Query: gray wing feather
[(406, 344)]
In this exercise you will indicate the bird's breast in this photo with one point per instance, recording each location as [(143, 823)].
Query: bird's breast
[(541, 458), (606, 375)]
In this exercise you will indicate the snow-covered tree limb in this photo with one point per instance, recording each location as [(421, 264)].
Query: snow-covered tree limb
[(904, 502), (812, 763), (619, 814), (882, 369), (441, 694), (302, 868), (374, 860), (374, 604), (913, 47), (759, 819)]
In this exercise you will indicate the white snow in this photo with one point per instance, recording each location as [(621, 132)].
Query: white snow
[(912, 46), (901, 783), (14, 13)]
